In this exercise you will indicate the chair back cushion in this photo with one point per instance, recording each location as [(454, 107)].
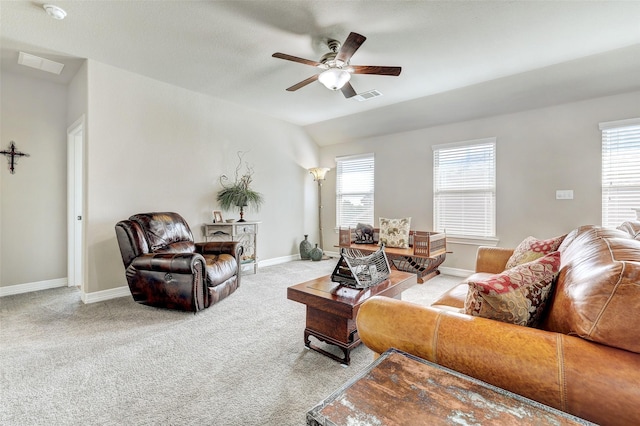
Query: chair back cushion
[(597, 296), (165, 232)]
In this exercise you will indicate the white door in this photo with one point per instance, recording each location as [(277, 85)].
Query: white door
[(75, 211)]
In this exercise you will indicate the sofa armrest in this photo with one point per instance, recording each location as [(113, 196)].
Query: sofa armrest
[(234, 248), (564, 372), (179, 263), (492, 259), (169, 280)]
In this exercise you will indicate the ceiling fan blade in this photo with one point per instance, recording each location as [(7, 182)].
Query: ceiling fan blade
[(372, 69), (349, 47), (303, 83), (296, 59), (348, 90)]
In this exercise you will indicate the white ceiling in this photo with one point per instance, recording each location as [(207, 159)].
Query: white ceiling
[(460, 59)]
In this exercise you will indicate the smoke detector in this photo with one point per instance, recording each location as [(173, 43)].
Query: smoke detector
[(54, 11)]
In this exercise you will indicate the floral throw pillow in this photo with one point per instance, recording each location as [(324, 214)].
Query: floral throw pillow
[(531, 249), (517, 295), (395, 232)]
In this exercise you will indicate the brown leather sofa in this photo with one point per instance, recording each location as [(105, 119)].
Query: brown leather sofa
[(583, 359), (166, 269)]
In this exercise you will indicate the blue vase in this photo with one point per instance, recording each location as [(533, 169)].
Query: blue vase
[(305, 248), (316, 253)]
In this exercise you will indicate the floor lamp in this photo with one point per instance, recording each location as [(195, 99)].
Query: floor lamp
[(319, 174)]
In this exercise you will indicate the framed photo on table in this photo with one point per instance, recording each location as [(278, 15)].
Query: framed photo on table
[(217, 216)]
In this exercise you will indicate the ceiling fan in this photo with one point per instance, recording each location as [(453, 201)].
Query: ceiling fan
[(337, 70)]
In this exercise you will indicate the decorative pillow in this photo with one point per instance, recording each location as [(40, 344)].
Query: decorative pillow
[(531, 249), (395, 232), (517, 295)]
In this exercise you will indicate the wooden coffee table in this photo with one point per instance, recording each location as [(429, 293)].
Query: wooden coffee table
[(399, 389), (332, 309)]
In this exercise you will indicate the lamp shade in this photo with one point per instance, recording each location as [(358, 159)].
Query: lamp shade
[(319, 173), (334, 78)]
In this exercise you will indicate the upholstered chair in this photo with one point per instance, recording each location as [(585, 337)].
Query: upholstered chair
[(165, 268)]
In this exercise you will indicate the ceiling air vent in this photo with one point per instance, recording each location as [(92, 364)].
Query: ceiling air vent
[(365, 96), (40, 63)]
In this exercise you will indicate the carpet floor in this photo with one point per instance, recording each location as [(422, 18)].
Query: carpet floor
[(240, 362)]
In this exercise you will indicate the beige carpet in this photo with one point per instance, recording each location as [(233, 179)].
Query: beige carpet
[(241, 362)]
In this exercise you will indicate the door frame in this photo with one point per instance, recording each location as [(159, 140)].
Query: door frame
[(76, 137)]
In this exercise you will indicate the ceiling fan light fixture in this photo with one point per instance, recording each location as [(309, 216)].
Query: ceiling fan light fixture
[(54, 11), (334, 78)]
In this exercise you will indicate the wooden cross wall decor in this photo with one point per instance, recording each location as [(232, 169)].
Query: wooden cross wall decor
[(11, 154)]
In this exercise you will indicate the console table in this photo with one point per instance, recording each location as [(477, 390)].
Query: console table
[(426, 251), (244, 232)]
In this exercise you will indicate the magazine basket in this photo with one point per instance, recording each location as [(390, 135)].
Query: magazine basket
[(357, 270)]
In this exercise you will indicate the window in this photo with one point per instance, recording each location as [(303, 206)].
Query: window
[(464, 188), (354, 190), (620, 171)]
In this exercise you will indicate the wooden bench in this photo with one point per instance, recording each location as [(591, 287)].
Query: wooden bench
[(427, 250)]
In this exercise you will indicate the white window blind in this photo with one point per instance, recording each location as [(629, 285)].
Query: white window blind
[(620, 171), (464, 188), (354, 190)]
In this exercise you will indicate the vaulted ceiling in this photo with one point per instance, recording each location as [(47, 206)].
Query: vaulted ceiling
[(460, 59)]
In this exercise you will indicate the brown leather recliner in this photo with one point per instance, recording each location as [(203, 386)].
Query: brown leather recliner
[(166, 269)]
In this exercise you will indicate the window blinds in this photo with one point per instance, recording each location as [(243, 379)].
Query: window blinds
[(354, 190), (465, 188), (620, 171)]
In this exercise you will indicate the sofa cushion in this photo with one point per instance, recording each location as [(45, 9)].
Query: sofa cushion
[(597, 296), (531, 249), (455, 296), (587, 232), (632, 228), (220, 268), (517, 295), (395, 232)]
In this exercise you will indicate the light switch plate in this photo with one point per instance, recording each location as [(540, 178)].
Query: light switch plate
[(564, 194)]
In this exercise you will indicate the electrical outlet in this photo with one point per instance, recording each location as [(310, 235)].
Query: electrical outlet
[(564, 194)]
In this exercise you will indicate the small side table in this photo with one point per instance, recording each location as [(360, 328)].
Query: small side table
[(332, 309), (244, 232)]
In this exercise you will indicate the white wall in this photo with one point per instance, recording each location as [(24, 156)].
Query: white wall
[(157, 147), (33, 200), (152, 146), (538, 152), (77, 96)]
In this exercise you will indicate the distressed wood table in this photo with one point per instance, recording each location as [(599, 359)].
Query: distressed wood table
[(332, 309), (400, 389)]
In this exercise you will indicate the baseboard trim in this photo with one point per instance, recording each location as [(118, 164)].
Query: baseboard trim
[(456, 272), (332, 254), (35, 286), (278, 260), (101, 296), (114, 293)]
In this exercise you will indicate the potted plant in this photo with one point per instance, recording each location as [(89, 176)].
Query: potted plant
[(239, 193)]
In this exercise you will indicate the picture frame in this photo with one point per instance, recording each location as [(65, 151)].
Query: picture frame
[(217, 216)]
